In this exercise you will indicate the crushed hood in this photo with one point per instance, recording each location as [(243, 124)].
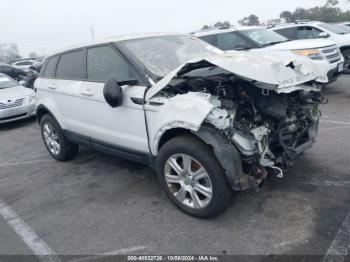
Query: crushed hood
[(265, 71)]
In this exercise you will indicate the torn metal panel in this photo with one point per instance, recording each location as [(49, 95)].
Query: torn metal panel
[(181, 111)]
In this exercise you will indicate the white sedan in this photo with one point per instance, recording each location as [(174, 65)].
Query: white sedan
[(16, 101)]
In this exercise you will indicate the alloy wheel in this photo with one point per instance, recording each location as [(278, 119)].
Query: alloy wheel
[(51, 138), (188, 181)]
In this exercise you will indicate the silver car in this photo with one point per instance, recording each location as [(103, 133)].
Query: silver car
[(16, 101)]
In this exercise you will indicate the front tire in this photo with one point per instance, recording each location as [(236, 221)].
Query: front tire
[(55, 141), (192, 178)]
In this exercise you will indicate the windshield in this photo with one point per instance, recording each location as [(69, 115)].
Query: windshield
[(264, 36), (334, 28), (6, 82), (162, 54)]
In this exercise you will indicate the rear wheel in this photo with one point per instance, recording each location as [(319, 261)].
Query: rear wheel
[(55, 141), (192, 177), (346, 55)]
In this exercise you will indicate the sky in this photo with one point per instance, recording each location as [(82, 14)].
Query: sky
[(45, 25)]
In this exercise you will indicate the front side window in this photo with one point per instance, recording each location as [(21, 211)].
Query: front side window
[(103, 63), (162, 54), (264, 36), (308, 32), (6, 82), (70, 65)]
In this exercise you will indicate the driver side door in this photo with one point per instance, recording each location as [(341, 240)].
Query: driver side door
[(122, 127)]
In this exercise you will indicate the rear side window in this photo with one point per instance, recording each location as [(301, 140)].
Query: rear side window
[(289, 33), (51, 67), (231, 41), (70, 65), (307, 32), (103, 63)]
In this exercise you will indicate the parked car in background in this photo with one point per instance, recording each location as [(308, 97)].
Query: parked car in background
[(323, 53), (25, 76), (206, 121), (26, 63), (347, 24), (13, 71), (318, 30), (16, 101)]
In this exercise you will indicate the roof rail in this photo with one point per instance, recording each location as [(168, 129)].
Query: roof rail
[(302, 21)]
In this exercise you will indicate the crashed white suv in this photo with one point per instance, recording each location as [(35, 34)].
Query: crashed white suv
[(207, 122)]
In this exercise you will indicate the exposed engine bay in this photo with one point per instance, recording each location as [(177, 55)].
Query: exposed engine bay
[(269, 129)]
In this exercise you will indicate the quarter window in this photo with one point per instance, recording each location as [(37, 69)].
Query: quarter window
[(70, 65), (51, 67), (103, 63)]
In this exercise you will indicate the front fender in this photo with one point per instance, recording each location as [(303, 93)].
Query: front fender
[(187, 111)]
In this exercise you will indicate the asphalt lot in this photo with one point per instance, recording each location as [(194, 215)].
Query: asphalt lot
[(98, 203)]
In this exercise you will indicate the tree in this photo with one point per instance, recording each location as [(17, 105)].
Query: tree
[(250, 20), (288, 16), (330, 3), (223, 24)]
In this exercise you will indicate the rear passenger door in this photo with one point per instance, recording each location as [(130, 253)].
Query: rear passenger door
[(124, 126), (65, 89)]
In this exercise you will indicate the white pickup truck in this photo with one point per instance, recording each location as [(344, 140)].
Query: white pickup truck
[(322, 52)]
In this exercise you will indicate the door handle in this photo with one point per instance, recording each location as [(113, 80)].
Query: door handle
[(87, 92), (52, 87)]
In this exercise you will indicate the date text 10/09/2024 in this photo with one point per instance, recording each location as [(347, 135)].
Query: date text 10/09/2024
[(173, 258)]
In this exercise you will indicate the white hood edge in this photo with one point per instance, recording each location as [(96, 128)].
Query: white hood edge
[(267, 71)]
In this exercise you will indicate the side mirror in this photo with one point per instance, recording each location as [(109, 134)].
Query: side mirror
[(113, 93), (323, 35)]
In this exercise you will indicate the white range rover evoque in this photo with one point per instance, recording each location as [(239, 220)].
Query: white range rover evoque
[(206, 121)]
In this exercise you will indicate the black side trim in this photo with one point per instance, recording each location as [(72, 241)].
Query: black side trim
[(77, 138), (130, 154), (114, 150)]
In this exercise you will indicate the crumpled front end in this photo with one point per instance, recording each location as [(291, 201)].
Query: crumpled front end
[(269, 124)]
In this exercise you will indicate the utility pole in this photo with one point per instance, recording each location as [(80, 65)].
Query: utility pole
[(92, 32)]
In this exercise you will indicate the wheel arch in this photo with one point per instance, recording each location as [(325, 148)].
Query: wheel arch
[(225, 152), (42, 110)]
